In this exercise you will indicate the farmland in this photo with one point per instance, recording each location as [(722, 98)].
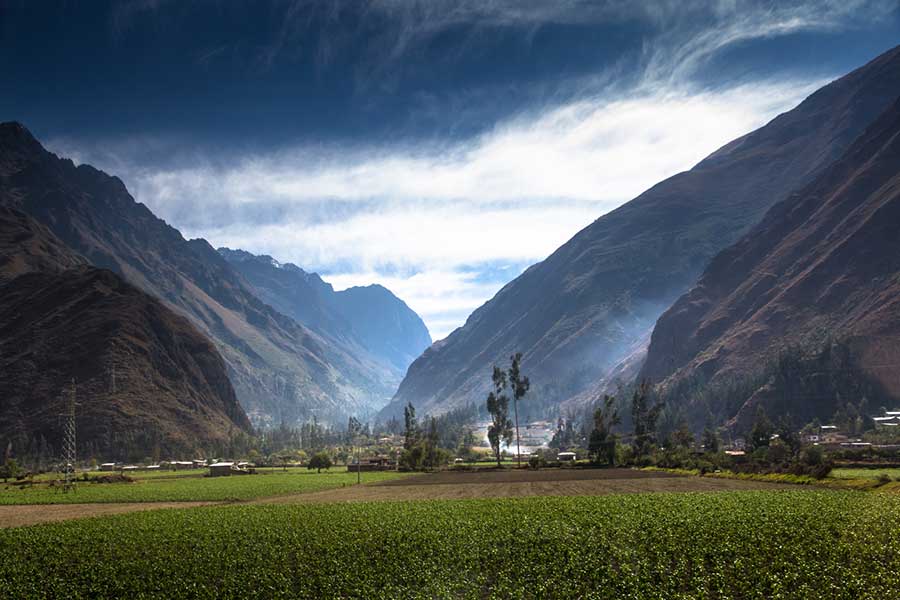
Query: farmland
[(871, 473), (190, 489), (755, 544)]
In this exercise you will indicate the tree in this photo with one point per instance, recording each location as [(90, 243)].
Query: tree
[(432, 457), (9, 469), (602, 441), (710, 440), (498, 406), (520, 386), (643, 417), (411, 430), (682, 436), (320, 460), (354, 429), (762, 429)]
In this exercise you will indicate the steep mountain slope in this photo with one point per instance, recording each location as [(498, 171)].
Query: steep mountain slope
[(61, 319), (279, 369), (588, 306), (371, 320), (384, 324), (827, 259)]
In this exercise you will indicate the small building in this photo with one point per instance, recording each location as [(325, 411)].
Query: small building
[(221, 469), (130, 468), (181, 465), (566, 456), (108, 466)]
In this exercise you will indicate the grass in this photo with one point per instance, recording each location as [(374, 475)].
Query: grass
[(188, 489), (842, 473), (795, 544)]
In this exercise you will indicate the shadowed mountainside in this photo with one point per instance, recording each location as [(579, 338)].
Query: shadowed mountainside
[(370, 320), (827, 259), (62, 319), (280, 370), (590, 305)]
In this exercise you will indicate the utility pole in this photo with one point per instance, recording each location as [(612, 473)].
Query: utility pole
[(69, 444)]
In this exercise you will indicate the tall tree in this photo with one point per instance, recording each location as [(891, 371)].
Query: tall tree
[(602, 441), (762, 429), (643, 417), (710, 439), (411, 430), (520, 386), (498, 406)]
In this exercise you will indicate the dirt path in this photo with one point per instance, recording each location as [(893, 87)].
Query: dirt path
[(511, 485), (31, 514)]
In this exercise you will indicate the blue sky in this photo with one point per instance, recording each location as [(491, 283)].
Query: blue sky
[(436, 147)]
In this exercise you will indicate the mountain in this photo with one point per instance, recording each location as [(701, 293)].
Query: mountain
[(591, 305), (370, 320), (61, 319), (827, 259), (281, 371)]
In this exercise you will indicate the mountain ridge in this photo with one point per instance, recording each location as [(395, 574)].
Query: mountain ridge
[(576, 315), (62, 319)]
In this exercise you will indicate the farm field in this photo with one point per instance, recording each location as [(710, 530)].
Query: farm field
[(169, 474), (842, 473), (191, 489), (753, 544)]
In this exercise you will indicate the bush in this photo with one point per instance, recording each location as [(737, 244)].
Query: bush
[(536, 461), (319, 461)]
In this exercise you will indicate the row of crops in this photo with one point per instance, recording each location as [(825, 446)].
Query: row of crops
[(186, 489), (784, 544)]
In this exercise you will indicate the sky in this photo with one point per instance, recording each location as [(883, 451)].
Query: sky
[(436, 147)]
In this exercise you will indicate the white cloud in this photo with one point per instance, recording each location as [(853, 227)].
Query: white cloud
[(438, 224), (509, 197)]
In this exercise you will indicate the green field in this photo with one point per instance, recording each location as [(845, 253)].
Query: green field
[(186, 489), (804, 544), (894, 474)]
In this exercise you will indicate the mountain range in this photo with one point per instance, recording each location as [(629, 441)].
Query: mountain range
[(370, 321), (281, 370), (824, 261), (582, 318), (144, 378)]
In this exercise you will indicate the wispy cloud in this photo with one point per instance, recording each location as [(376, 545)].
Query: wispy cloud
[(435, 215), (446, 225)]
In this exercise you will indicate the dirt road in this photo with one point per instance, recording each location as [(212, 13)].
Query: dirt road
[(31, 514)]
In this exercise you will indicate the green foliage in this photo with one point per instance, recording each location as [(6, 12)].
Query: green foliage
[(602, 440), (643, 420), (710, 440), (320, 460), (425, 453), (761, 431), (411, 431), (9, 469), (184, 487), (799, 544), (500, 428)]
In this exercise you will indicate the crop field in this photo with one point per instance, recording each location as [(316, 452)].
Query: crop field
[(760, 544), (190, 489), (894, 474)]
